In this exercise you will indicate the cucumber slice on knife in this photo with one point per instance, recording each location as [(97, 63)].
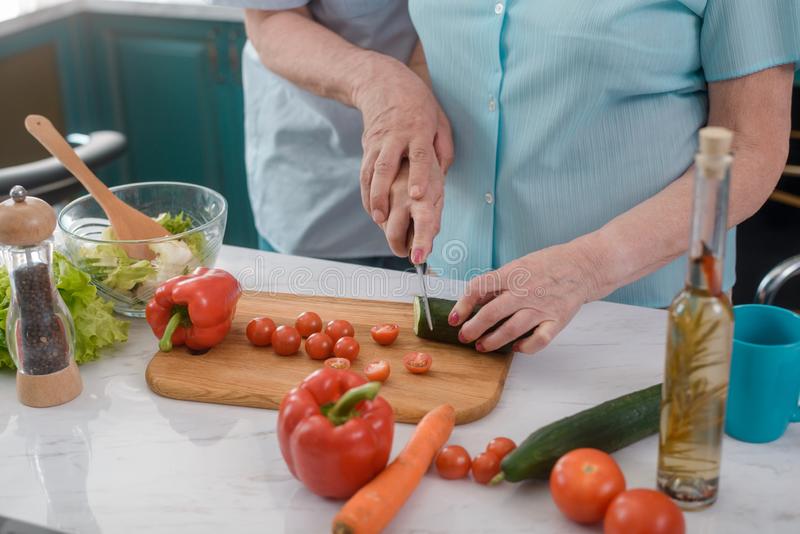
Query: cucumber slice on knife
[(442, 331)]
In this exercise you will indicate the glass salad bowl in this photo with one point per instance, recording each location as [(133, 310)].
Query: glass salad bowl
[(194, 214)]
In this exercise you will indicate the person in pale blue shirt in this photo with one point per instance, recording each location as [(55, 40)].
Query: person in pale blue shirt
[(309, 96), (575, 124)]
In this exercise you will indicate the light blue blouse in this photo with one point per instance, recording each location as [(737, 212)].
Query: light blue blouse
[(567, 113)]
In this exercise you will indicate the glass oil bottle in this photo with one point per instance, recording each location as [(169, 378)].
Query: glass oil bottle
[(699, 341)]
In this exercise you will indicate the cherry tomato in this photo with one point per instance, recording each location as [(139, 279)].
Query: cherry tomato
[(286, 340), (417, 362), (384, 334), (307, 323), (319, 346), (501, 447), (485, 466), (377, 370), (643, 511), (453, 462), (339, 328), (338, 363), (346, 347), (584, 482), (259, 331)]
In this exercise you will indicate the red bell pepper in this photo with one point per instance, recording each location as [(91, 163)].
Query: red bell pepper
[(196, 309), (335, 433)]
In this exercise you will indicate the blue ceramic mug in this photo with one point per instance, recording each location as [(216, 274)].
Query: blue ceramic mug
[(765, 373)]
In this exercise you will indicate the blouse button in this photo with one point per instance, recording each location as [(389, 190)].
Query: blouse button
[(498, 8), (489, 198)]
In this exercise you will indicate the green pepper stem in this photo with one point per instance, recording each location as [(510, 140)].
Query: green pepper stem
[(498, 478), (165, 343), (344, 409)]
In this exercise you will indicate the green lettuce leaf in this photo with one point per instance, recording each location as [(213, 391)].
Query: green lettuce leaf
[(96, 326), (176, 224)]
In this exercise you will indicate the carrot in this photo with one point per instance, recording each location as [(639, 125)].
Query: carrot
[(374, 505)]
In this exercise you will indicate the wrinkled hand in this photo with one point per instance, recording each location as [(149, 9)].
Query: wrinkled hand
[(402, 119), (541, 291), (425, 212)]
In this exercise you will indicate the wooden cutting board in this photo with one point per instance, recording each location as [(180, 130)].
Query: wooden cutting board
[(235, 372)]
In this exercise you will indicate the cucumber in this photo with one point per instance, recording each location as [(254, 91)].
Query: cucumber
[(442, 331), (609, 427)]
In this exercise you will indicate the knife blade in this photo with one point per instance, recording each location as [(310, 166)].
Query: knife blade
[(420, 268)]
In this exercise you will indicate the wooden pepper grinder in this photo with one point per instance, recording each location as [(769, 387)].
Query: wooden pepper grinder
[(39, 329)]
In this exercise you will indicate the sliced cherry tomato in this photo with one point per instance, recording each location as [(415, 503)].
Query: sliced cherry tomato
[(346, 347), (377, 370), (339, 328), (259, 331), (453, 462), (384, 334), (643, 511), (286, 340), (584, 482), (417, 362), (501, 447), (307, 323), (338, 363), (319, 346), (485, 466)]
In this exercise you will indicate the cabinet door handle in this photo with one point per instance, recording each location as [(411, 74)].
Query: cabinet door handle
[(233, 57)]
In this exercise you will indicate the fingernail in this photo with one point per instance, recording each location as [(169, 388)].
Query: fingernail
[(377, 216), (453, 318), (417, 256), (479, 346), (415, 191), (461, 337)]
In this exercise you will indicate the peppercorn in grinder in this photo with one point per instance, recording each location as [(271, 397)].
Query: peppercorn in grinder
[(39, 328)]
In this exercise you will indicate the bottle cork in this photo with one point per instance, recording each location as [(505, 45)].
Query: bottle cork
[(715, 141)]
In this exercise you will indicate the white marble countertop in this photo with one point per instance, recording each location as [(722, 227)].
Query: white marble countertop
[(19, 15), (121, 459)]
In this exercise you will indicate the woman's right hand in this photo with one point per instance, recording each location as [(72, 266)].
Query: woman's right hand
[(425, 213), (402, 119)]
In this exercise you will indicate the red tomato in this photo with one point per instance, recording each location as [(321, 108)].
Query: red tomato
[(384, 334), (339, 328), (501, 447), (485, 466), (417, 362), (584, 482), (346, 347), (318, 346), (307, 323), (338, 363), (259, 331), (453, 462), (643, 511), (377, 370), (286, 340)]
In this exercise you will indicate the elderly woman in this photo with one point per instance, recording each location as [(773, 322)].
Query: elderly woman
[(575, 124), (307, 64)]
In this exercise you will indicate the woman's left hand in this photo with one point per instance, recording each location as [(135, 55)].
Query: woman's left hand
[(541, 292)]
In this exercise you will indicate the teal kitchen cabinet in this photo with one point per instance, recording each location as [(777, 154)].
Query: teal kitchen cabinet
[(173, 86)]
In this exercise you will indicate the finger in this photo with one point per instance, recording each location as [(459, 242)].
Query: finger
[(365, 177), (517, 325), (487, 317), (443, 144), (386, 166), (396, 230), (420, 158), (426, 227), (544, 333), (475, 292)]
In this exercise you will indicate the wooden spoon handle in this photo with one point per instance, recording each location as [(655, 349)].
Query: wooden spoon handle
[(44, 132)]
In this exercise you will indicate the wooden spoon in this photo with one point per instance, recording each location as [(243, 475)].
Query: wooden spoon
[(129, 224)]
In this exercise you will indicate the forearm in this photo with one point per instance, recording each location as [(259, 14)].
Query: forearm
[(309, 55), (655, 232)]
